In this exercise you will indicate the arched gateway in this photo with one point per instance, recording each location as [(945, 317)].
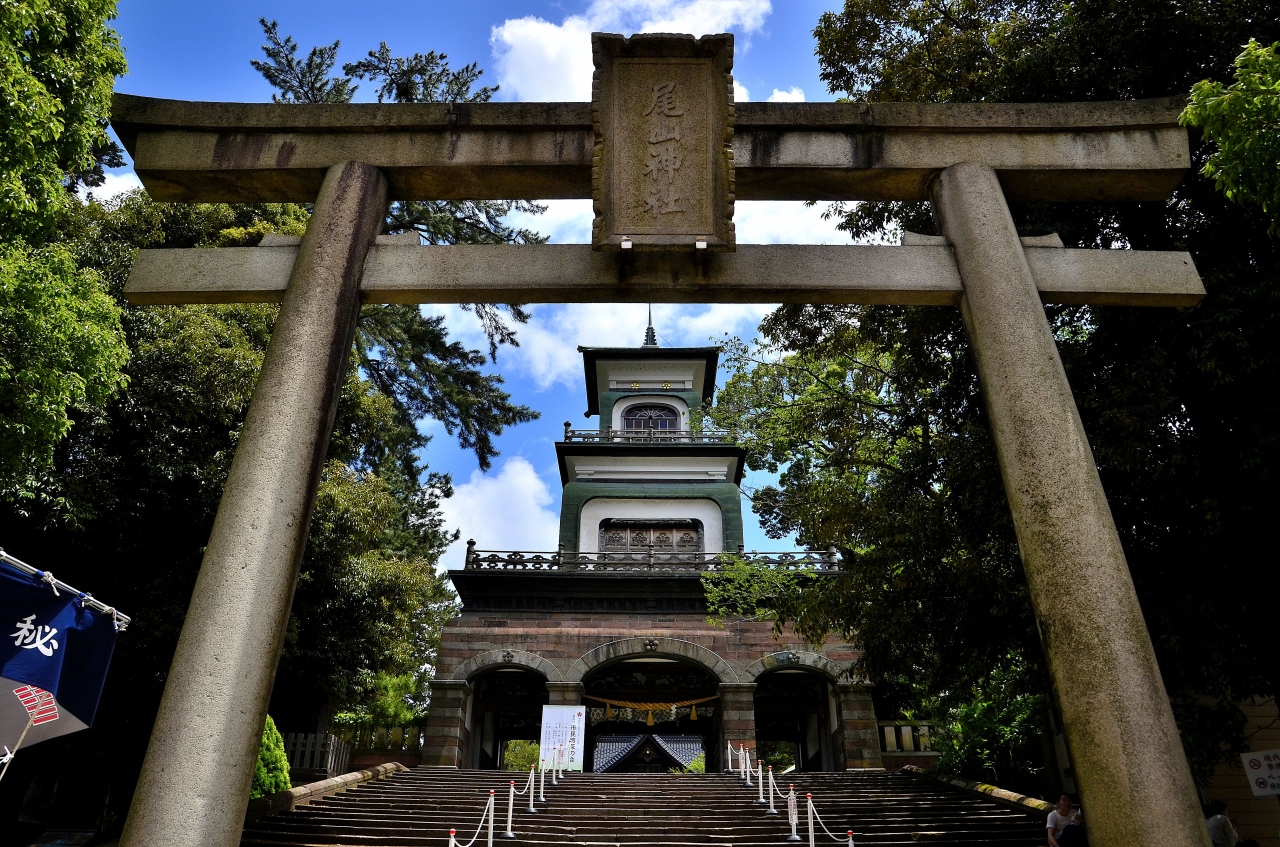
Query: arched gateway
[(664, 153), (615, 619)]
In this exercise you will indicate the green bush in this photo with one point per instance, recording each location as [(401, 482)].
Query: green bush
[(520, 755), (698, 764), (271, 773)]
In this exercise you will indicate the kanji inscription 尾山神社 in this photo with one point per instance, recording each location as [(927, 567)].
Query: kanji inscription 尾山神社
[(662, 170)]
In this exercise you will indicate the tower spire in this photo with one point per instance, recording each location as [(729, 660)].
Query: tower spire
[(650, 337)]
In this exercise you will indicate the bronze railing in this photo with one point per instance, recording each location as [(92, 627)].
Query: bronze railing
[(646, 436)]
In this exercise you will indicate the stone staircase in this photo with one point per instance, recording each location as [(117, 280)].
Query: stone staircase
[(419, 806)]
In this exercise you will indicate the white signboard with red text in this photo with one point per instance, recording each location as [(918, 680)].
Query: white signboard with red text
[(564, 728), (1262, 769)]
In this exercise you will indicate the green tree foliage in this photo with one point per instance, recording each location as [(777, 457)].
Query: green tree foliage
[(58, 64), (420, 78), (271, 771), (893, 461), (1243, 122), (62, 347), (61, 350), (995, 731), (520, 756), (698, 764)]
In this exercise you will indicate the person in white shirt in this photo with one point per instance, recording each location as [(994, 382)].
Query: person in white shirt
[(1221, 829), (1066, 825)]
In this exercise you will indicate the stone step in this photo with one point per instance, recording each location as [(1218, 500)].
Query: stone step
[(419, 806)]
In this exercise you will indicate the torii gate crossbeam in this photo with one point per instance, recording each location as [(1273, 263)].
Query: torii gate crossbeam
[(966, 159)]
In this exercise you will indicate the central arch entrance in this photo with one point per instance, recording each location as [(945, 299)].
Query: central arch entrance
[(649, 714)]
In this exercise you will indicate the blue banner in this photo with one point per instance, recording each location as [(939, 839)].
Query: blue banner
[(54, 654)]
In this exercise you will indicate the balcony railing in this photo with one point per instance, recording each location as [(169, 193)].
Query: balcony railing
[(642, 561), (646, 436)]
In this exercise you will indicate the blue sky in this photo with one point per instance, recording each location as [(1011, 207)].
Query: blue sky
[(535, 50)]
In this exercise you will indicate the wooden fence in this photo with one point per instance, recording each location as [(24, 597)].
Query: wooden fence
[(312, 752)]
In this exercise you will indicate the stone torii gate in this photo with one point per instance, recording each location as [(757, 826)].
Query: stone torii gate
[(663, 151)]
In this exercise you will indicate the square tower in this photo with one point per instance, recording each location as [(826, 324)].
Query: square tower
[(615, 619)]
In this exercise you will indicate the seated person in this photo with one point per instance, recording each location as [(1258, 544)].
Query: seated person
[(1221, 828), (1066, 825)]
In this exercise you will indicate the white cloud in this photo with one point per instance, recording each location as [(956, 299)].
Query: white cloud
[(548, 354), (565, 221), (795, 95), (114, 184), (785, 222), (740, 93), (506, 510), (543, 62), (538, 60)]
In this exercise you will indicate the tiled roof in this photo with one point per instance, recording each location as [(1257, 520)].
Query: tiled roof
[(611, 749)]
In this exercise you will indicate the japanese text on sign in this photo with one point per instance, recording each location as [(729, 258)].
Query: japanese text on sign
[(665, 156), (1262, 769)]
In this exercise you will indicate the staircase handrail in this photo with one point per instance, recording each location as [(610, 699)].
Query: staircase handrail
[(813, 813), (511, 802), (488, 815), (793, 816)]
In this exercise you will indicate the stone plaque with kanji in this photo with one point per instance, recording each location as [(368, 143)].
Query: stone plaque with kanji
[(662, 169)]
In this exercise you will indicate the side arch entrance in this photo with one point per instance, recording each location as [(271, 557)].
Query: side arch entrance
[(508, 691)]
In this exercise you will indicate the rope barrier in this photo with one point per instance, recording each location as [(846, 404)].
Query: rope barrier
[(528, 790), (813, 813), (488, 815), (773, 786)]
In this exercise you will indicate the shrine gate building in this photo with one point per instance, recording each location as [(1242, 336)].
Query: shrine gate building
[(616, 618)]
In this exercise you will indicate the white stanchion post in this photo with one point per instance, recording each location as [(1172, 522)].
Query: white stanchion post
[(453, 838), (542, 791), (511, 807), (750, 772), (490, 810), (555, 765), (532, 780), (850, 844), (759, 782), (773, 786), (728, 757), (808, 799), (793, 816)]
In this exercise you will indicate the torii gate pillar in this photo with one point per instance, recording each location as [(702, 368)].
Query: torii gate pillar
[(1134, 780), (199, 766)]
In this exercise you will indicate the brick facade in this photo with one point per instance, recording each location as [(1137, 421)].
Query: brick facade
[(565, 647)]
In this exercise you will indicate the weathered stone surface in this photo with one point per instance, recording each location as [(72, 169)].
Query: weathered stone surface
[(859, 728), (198, 768), (756, 273), (1133, 777), (662, 164), (255, 152)]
